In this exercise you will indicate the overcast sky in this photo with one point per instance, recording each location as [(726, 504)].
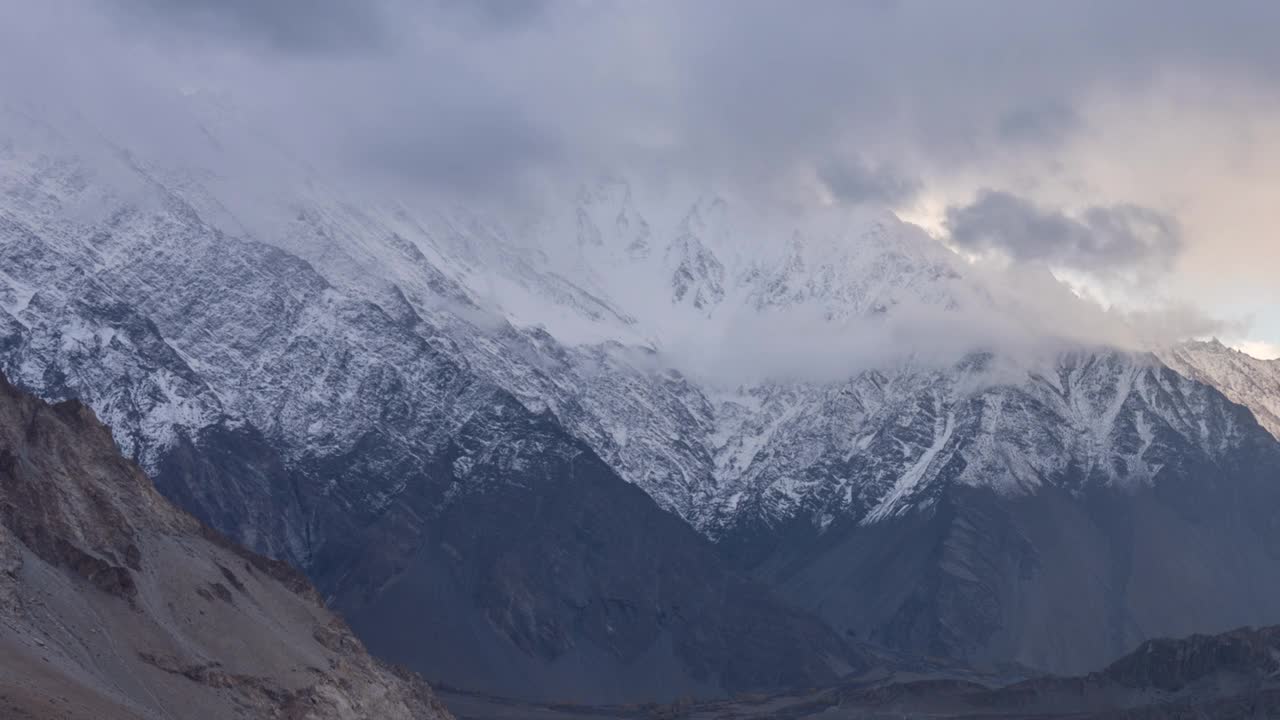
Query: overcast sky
[(1131, 147)]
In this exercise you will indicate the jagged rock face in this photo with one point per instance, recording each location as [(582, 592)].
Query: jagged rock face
[(118, 605), (886, 443), (1173, 665)]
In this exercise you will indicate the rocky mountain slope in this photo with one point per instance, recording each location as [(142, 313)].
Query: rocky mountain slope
[(1046, 523), (387, 396), (115, 604)]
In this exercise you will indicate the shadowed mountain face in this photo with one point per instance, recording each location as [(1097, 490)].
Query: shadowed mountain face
[(114, 604), (605, 596), (1049, 581), (1065, 576)]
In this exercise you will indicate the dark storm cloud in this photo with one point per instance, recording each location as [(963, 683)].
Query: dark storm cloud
[(891, 101), (1100, 240), (733, 90)]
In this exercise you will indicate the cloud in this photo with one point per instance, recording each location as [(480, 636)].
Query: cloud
[(740, 92), (307, 26), (1100, 239), (1023, 317), (1146, 109), (1259, 349), (493, 147), (497, 14), (856, 182), (1046, 123)]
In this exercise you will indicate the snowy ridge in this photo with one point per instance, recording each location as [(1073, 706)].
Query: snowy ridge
[(172, 304), (1246, 380)]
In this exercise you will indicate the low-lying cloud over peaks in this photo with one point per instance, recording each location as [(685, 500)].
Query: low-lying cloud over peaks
[(1160, 115), (1101, 240)]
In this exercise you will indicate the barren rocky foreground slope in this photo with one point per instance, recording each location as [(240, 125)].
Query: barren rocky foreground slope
[(116, 605)]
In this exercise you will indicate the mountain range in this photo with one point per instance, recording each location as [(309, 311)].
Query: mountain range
[(633, 444)]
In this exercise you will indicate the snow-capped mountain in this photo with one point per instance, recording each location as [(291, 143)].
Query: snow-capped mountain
[(343, 426), (868, 438), (403, 398)]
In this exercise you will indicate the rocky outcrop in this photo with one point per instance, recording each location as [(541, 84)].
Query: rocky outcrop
[(1173, 665), (118, 605)]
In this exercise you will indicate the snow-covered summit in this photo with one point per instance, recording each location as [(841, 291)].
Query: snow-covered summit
[(1245, 379)]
